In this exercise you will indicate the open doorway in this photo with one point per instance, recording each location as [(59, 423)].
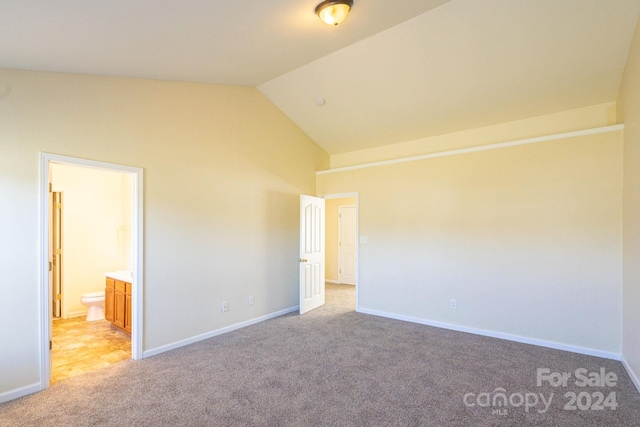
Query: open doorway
[(109, 240), (341, 249)]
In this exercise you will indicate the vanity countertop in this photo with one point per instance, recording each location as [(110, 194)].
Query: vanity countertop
[(123, 275)]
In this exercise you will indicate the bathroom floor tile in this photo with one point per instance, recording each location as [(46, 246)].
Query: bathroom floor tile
[(80, 346)]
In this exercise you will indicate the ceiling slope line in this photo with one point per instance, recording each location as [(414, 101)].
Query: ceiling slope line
[(545, 138)]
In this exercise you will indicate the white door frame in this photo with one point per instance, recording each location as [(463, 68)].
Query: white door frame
[(346, 196), (46, 159)]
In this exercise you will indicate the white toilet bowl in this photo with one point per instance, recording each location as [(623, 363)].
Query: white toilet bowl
[(95, 302)]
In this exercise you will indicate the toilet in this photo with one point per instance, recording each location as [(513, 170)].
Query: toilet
[(95, 302)]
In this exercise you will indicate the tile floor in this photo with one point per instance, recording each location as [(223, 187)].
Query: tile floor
[(80, 346)]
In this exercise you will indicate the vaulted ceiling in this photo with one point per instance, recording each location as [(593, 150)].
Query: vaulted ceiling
[(392, 72)]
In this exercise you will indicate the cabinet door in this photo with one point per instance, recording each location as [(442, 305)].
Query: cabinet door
[(119, 309), (109, 302), (127, 314)]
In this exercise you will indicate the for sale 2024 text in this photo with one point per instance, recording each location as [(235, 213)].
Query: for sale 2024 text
[(581, 377)]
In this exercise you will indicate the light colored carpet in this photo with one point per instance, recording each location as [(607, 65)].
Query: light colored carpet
[(332, 367)]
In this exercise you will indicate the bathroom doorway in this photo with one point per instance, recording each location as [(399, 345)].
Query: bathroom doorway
[(102, 211)]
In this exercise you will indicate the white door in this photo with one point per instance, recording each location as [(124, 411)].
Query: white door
[(311, 253), (347, 245)]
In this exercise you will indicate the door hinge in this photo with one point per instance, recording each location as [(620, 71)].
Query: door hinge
[(59, 297), (58, 206), (50, 266), (50, 187), (50, 345)]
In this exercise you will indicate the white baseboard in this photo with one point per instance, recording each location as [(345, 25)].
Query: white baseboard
[(182, 343), (73, 314), (632, 373), (336, 282), (20, 392), (525, 340)]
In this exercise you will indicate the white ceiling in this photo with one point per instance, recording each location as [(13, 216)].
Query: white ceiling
[(424, 68)]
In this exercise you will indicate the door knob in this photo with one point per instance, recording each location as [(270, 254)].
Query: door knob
[(302, 260)]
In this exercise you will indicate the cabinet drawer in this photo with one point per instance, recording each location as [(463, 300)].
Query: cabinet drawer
[(111, 283), (120, 286)]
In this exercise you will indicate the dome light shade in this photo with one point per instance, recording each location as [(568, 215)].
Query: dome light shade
[(334, 12)]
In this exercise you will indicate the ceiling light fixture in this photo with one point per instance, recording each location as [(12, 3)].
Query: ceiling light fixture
[(334, 12)]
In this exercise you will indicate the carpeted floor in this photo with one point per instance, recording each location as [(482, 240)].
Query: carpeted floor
[(336, 367)]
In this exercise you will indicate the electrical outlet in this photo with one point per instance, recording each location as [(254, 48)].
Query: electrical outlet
[(225, 306), (251, 300), (453, 304)]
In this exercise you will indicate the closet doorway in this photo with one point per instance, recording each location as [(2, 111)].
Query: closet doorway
[(342, 241)]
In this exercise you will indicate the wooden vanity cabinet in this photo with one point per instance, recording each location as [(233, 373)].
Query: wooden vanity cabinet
[(117, 304)]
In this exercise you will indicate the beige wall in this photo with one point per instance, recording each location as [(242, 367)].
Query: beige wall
[(526, 239), (552, 124), (331, 238), (629, 114), (96, 230), (223, 170)]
